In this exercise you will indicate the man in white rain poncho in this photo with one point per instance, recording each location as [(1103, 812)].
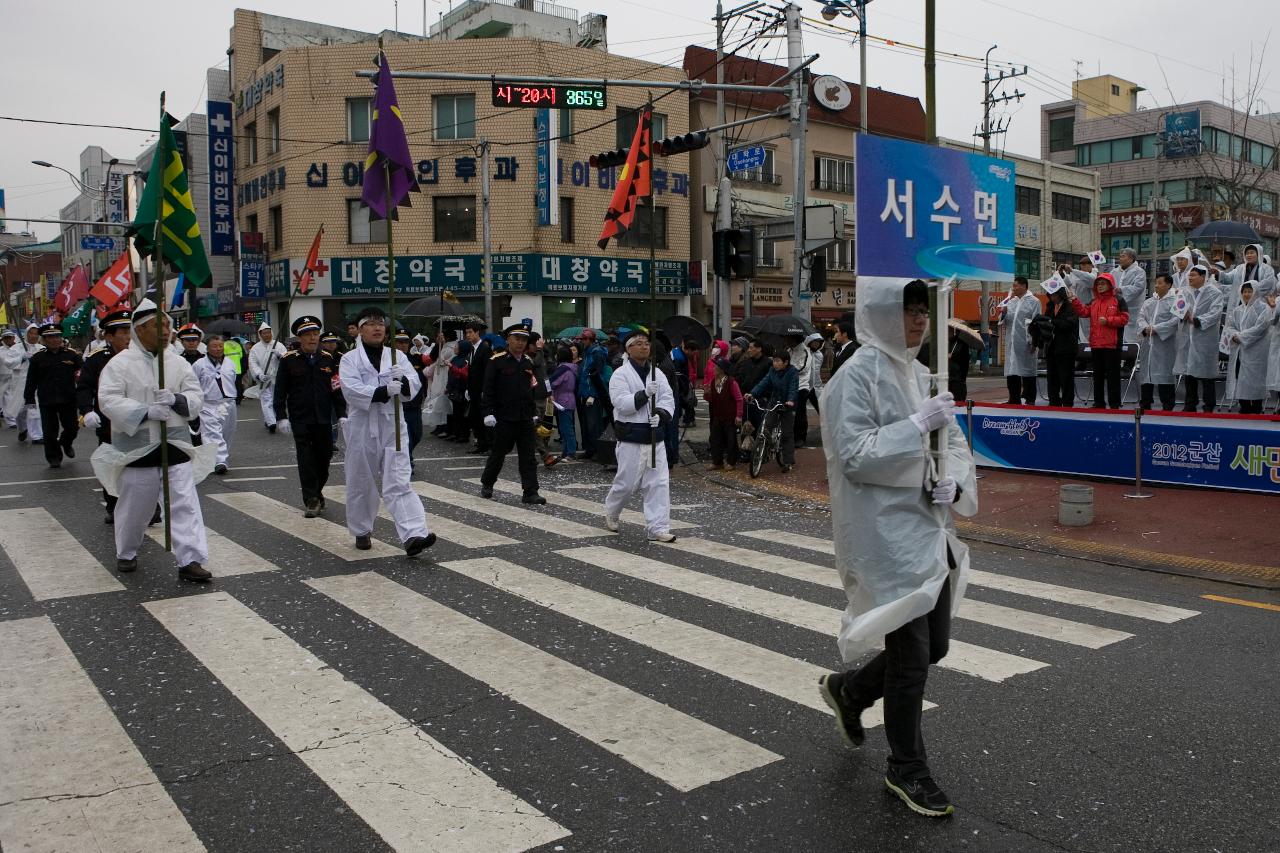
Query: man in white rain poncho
[(370, 384), (264, 361), (1198, 340), (1247, 340), (18, 359), (1158, 326), (140, 412), (1016, 314), (904, 570), (1254, 269)]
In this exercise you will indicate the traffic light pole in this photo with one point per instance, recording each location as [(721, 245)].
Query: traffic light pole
[(724, 189)]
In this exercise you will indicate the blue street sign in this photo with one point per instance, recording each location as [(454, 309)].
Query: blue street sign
[(97, 243), (742, 159)]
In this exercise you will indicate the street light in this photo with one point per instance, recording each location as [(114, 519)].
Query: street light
[(854, 9), (74, 180)]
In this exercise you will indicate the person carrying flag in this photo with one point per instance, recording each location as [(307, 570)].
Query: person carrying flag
[(264, 360), (117, 329)]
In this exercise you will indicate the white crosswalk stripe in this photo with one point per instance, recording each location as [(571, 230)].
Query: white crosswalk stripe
[(684, 752), (411, 789), (320, 532), (1020, 586), (1037, 625), (629, 516), (447, 529), (988, 664), (515, 513), (226, 558), (70, 778), (52, 563), (790, 678)]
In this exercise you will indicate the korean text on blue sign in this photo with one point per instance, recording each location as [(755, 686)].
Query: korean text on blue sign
[(930, 212), (253, 279), (542, 129), (222, 217), (1182, 134)]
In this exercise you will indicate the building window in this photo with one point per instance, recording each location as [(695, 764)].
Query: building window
[(840, 255), (566, 219), (562, 312), (277, 228), (251, 142), (359, 229), (766, 252), (1070, 208), (455, 117), (565, 125), (1060, 258), (358, 119), (251, 223), (637, 236), (1115, 90), (1062, 132), (833, 175), (626, 125), (764, 174), (1027, 200), (273, 131), (455, 218), (1026, 262), (1125, 196)]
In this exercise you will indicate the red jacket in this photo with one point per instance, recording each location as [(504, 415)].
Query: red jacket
[(726, 405), (1106, 319)]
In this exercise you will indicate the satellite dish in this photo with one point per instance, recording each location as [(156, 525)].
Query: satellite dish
[(831, 92)]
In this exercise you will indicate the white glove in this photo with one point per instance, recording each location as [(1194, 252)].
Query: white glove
[(945, 491), (91, 420), (654, 421), (158, 412), (399, 370), (394, 387), (342, 423), (466, 395), (558, 407), (934, 413), (284, 426), (165, 397), (590, 401), (651, 388), (490, 421)]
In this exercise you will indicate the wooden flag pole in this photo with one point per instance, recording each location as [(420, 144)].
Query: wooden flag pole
[(653, 287), (162, 337), (391, 293)]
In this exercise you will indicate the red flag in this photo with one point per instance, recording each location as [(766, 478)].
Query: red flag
[(115, 285), (633, 182), (73, 291), (313, 260)]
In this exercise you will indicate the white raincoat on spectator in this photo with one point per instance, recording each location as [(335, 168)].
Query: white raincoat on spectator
[(1131, 285), (1198, 347), (18, 358), (1157, 351), (1082, 286), (1248, 340), (1019, 355), (891, 541), (1263, 276), (438, 406)]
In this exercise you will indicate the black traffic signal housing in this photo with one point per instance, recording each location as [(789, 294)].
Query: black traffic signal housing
[(682, 143), (609, 158), (733, 252), (818, 273)]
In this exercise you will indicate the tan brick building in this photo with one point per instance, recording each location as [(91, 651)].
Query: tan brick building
[(301, 124)]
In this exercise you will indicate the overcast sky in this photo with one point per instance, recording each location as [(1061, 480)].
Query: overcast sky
[(105, 63)]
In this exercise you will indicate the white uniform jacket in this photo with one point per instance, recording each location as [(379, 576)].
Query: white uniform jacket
[(626, 384), (370, 425), (217, 381), (264, 361)]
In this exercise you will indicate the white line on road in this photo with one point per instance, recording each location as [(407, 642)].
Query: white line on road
[(985, 663), (53, 564), (411, 789), (244, 479), (527, 517), (320, 532), (596, 508), (51, 480), (9, 497), (70, 776), (445, 528), (226, 558), (464, 468), (683, 751)]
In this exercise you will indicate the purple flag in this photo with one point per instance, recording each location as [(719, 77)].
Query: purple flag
[(388, 149)]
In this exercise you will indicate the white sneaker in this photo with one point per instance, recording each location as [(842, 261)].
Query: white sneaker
[(611, 524), (662, 537)]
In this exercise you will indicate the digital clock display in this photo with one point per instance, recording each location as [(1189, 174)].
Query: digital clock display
[(549, 97)]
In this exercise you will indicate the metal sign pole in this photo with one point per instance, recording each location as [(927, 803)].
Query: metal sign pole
[(1137, 458)]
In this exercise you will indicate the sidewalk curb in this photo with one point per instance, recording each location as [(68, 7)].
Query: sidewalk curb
[(1237, 574)]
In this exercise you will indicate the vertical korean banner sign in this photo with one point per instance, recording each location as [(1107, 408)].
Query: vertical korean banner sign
[(222, 234), (929, 212)]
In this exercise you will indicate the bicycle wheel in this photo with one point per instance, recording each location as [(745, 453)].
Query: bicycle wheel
[(758, 454)]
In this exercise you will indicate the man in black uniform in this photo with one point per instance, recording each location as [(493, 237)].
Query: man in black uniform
[(481, 354), (190, 336), (507, 407), (53, 374), (308, 396), (115, 333)]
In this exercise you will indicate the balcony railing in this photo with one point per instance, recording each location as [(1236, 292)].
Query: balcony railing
[(833, 186), (469, 7), (756, 178)]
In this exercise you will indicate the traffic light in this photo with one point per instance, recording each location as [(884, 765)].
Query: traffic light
[(733, 252), (682, 143), (609, 158), (818, 273)]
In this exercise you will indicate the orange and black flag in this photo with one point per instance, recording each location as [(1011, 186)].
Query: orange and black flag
[(633, 181)]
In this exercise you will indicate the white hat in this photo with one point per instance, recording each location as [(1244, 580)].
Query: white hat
[(145, 311), (265, 326)]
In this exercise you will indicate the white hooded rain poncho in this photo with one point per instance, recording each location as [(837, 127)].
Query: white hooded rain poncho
[(439, 407), (1157, 350), (1131, 286), (1247, 339), (1262, 274), (1015, 323), (1198, 340), (891, 541)]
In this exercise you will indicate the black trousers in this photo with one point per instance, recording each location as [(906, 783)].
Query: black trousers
[(1190, 400), (1106, 379), (61, 423), (724, 442), (1149, 390), (1022, 389), (898, 675), (1061, 375), (802, 419), (314, 444), (413, 425), (520, 435), (1250, 407), (484, 437)]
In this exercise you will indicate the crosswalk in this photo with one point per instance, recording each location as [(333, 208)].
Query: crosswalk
[(745, 609)]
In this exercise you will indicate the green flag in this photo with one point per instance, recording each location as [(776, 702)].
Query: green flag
[(79, 323), (181, 243)]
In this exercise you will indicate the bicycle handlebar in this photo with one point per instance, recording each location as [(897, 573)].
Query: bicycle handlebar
[(756, 403)]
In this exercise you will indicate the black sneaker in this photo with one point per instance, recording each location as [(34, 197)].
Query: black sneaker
[(195, 572), (364, 543), (272, 429), (418, 544), (110, 518), (848, 720), (922, 796), (156, 518), (533, 498), (22, 435), (486, 491), (126, 566), (312, 509), (37, 441), (69, 451), (55, 464)]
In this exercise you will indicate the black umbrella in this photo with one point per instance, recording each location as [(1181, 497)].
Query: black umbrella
[(230, 328), (774, 329), (433, 306), (1225, 231), (678, 328)]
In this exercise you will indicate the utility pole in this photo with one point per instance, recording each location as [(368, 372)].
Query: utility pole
[(1155, 204), (800, 305), (724, 188), (486, 235)]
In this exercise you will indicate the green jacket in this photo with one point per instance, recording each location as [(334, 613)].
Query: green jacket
[(232, 350)]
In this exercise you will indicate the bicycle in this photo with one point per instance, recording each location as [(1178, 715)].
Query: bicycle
[(767, 441)]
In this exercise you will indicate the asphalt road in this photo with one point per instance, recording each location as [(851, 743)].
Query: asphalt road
[(536, 682)]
